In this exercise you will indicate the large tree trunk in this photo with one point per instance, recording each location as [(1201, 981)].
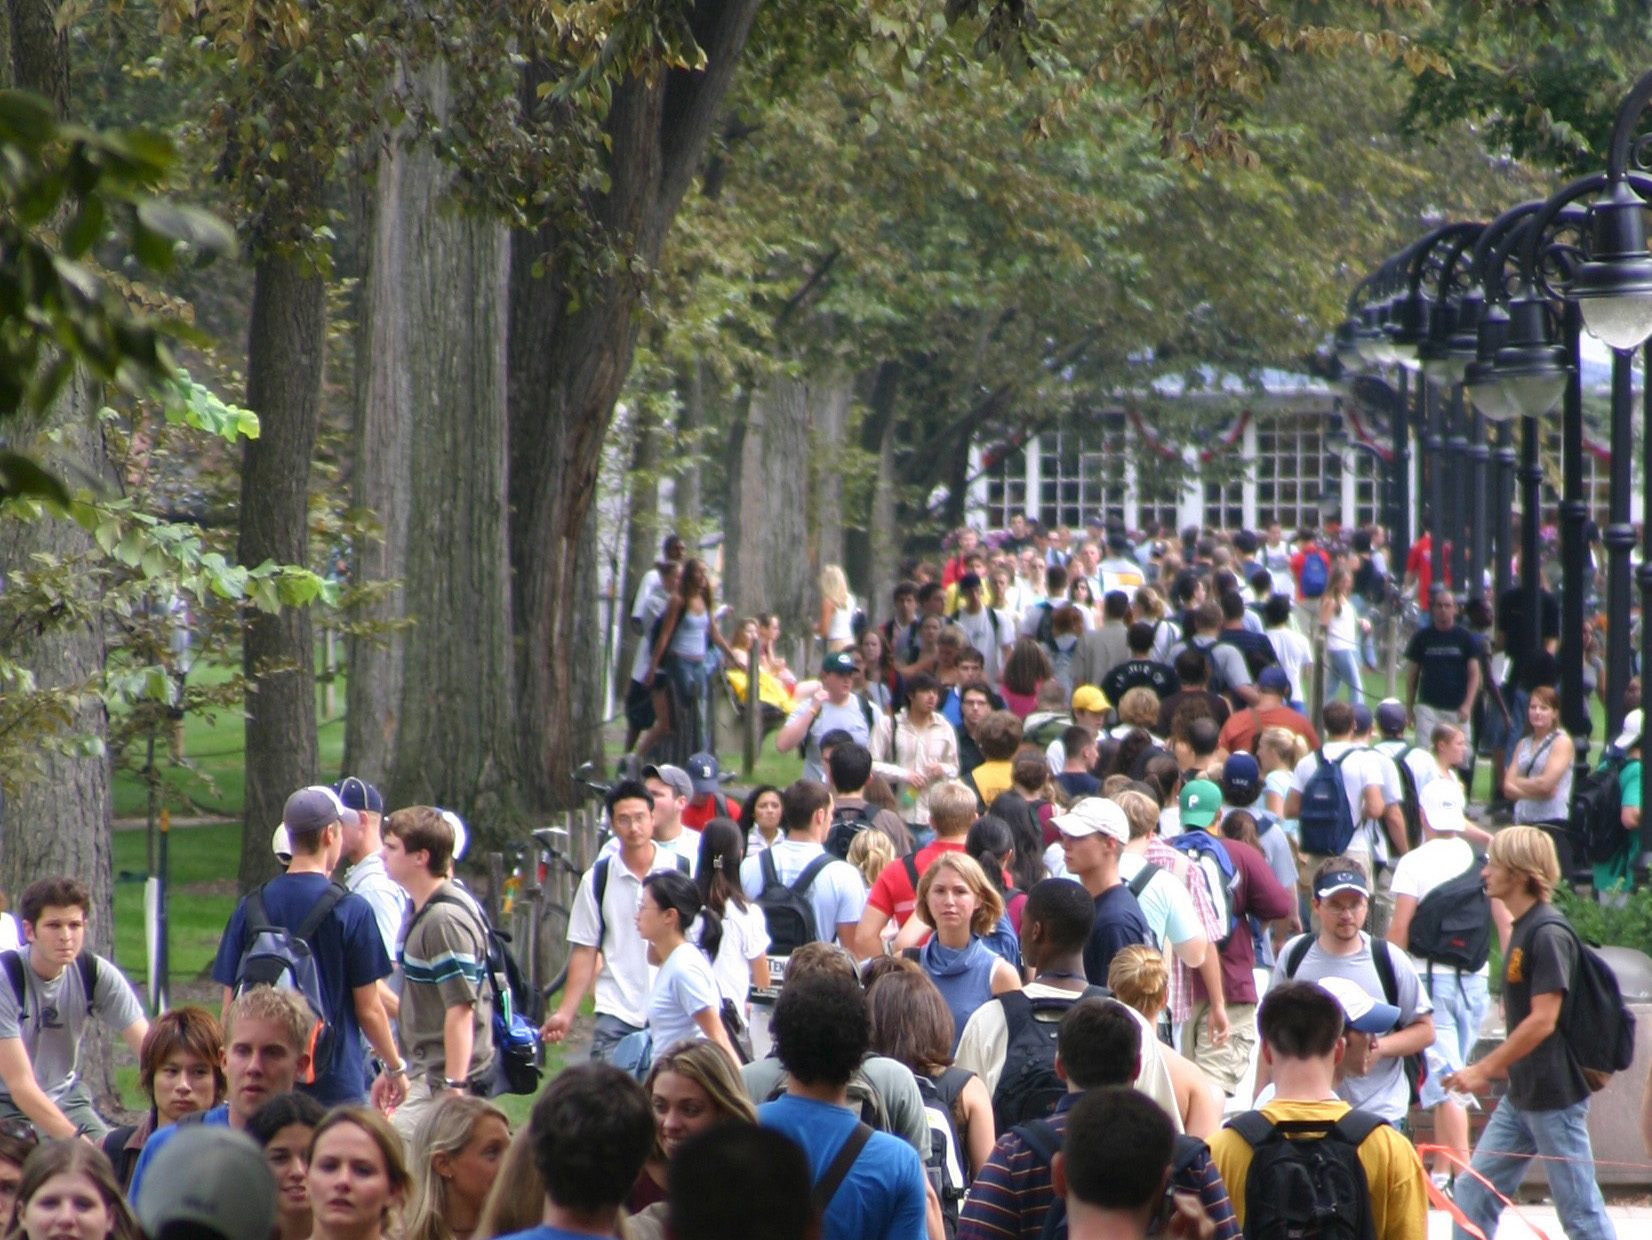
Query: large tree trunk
[(381, 480), (286, 347), (871, 544), (768, 514), (642, 541), (830, 403), (454, 744), (569, 356)]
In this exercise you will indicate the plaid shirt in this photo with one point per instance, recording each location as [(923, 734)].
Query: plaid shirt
[(1012, 1193), (1165, 857)]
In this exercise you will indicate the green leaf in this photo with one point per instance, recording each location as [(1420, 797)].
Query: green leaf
[(21, 476), (189, 225)]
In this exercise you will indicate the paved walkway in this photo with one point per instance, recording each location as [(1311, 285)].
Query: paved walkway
[(1632, 1223)]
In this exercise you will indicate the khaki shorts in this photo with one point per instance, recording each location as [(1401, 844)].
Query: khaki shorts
[(1226, 1064)]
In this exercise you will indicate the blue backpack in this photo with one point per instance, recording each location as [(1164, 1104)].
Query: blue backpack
[(1221, 876), (1325, 821), (1316, 574)]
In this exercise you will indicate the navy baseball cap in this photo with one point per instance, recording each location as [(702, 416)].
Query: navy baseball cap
[(1362, 719), (357, 794), (1240, 775), (1274, 680), (702, 772), (839, 662)]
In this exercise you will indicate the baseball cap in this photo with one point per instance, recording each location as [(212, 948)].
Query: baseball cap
[(1240, 774), (839, 662), (969, 581), (314, 809), (281, 844), (702, 772), (1341, 880), (1094, 816), (1390, 717), (356, 793), (673, 777), (208, 1180), (1362, 718), (1274, 680), (1364, 1014), (1441, 801), (1089, 698), (461, 834), (1201, 803), (1630, 736)]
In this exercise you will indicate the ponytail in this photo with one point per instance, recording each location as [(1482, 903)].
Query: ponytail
[(677, 893)]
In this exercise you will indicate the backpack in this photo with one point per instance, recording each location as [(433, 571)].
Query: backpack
[(847, 822), (1305, 1178), (599, 888), (1041, 1138), (1410, 804), (1325, 821), (945, 1165), (1221, 875), (1217, 683), (864, 1098), (1452, 924), (1598, 1029), (1597, 810), (1382, 959), (1028, 1087), (1044, 634), (1316, 573), (516, 1046), (285, 959), (1257, 649), (786, 908)]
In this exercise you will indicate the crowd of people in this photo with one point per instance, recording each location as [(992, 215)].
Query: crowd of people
[(1073, 923)]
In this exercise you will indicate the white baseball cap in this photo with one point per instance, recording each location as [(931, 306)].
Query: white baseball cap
[(1630, 736), (1094, 816), (1442, 803), (1365, 1014)]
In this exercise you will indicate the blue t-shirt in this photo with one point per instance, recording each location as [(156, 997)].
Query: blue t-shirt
[(349, 953), (882, 1197), (546, 1232), (157, 1142), (1119, 923)]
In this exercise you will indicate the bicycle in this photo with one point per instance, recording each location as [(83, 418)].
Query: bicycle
[(528, 906)]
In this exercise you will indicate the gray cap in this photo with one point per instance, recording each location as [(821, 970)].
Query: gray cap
[(208, 1179), (673, 777), (314, 809)]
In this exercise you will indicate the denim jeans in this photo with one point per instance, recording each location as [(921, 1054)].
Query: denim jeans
[(1502, 1157), (610, 1031), (1459, 1007), (1342, 668)]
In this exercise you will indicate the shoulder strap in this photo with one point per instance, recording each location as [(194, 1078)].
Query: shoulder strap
[(1017, 1012), (14, 974), (1040, 1138), (257, 917), (87, 963), (1297, 953), (684, 865), (1357, 1125), (599, 888), (1144, 876), (909, 863), (826, 1188), (913, 954), (805, 880), (1253, 1126), (1186, 1153), (323, 907), (1383, 959)]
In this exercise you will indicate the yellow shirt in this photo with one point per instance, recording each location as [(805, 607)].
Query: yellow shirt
[(991, 778), (1399, 1200)]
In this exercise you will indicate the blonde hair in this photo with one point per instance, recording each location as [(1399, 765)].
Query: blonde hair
[(708, 1066), (390, 1151), (834, 586), (1291, 747), (989, 905), (951, 808), (1140, 809), (446, 1128), (1139, 977), (1140, 708), (869, 852), (1530, 853), (286, 1008), (1148, 604)]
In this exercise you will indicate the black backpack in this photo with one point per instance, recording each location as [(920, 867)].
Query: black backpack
[(946, 1164), (1452, 924), (1186, 1153), (1325, 820), (1028, 1087), (848, 821), (86, 964), (1596, 818), (1410, 804), (1382, 959), (1597, 1028), (1305, 1178), (285, 959), (786, 908)]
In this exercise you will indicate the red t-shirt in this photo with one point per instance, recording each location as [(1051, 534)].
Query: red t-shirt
[(1419, 563), (893, 894), (697, 816)]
